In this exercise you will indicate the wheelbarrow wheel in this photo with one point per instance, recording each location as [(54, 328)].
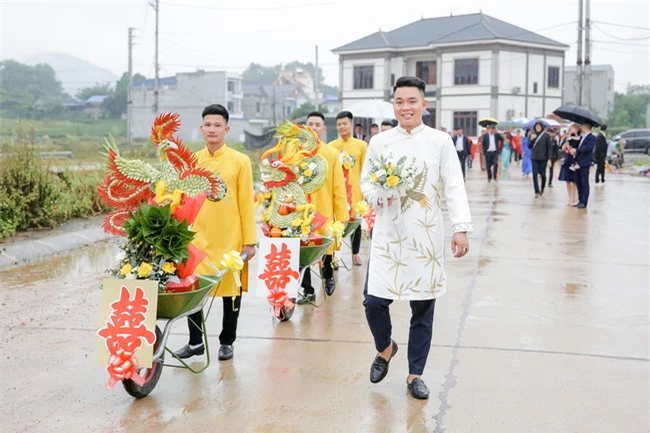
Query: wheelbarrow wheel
[(286, 313), (151, 375)]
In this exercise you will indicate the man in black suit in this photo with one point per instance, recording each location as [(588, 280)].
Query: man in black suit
[(600, 154), (358, 132), (491, 142), (462, 147)]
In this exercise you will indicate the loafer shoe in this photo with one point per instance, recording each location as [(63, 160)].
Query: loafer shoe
[(418, 389), (581, 206), (379, 367), (225, 352), (329, 286), (187, 351)]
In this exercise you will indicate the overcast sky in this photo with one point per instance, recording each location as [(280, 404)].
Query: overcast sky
[(229, 35)]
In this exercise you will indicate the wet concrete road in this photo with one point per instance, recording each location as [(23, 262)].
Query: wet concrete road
[(544, 329)]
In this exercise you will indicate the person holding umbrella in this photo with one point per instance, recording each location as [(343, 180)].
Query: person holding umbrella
[(583, 153), (492, 143)]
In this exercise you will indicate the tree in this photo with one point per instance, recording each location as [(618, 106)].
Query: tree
[(117, 101), (28, 91), (97, 89), (630, 108), (307, 108), (258, 74)]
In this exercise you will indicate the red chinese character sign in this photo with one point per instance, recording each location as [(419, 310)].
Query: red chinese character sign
[(278, 270), (127, 324)]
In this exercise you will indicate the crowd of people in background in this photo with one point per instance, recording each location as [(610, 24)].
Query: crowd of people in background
[(563, 153)]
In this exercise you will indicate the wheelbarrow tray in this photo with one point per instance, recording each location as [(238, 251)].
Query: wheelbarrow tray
[(172, 305), (309, 254), (351, 227)]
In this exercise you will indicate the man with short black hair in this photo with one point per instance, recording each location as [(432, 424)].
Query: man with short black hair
[(386, 125), (491, 142), (222, 226), (355, 149), (600, 154), (462, 147), (331, 201), (358, 132), (407, 260)]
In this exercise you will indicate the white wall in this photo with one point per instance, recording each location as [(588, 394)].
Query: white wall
[(514, 102), (512, 72), (450, 104), (535, 74), (535, 107), (554, 61)]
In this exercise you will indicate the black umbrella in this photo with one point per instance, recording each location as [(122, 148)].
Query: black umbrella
[(488, 121), (578, 114)]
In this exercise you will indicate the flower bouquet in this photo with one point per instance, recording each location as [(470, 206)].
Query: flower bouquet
[(391, 178)]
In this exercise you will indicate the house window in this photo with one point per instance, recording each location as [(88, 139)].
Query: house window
[(231, 86), (231, 107), (465, 71), (553, 77), (426, 71), (364, 77), (466, 120), (535, 87)]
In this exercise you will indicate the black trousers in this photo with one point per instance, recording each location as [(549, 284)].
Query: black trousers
[(539, 169), (356, 240), (600, 171), (550, 173), (461, 158), (420, 331), (229, 322), (491, 164), (327, 270), (582, 182)]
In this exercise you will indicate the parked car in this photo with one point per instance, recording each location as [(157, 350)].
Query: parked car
[(636, 140)]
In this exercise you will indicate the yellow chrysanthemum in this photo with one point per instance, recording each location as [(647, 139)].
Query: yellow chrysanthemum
[(308, 172), (347, 165), (392, 180), (169, 267), (374, 177), (361, 208), (144, 270), (126, 269)]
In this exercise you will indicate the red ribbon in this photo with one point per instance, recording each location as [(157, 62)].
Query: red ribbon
[(278, 298), (122, 365), (348, 191)]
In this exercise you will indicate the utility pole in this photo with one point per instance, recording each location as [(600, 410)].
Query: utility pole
[(579, 62), (316, 80), (587, 71), (129, 100), (156, 84)]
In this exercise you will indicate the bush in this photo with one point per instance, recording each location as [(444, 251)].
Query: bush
[(31, 196)]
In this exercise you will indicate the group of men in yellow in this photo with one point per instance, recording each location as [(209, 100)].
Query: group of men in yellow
[(236, 211)]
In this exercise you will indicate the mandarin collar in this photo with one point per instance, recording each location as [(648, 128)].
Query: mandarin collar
[(414, 131), (218, 152)]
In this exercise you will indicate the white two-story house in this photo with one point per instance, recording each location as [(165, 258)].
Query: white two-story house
[(474, 66)]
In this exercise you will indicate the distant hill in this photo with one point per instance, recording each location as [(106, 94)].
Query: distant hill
[(73, 73)]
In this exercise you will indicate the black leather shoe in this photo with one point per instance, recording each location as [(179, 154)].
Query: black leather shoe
[(187, 352), (329, 286), (379, 367), (418, 389), (225, 352), (581, 206)]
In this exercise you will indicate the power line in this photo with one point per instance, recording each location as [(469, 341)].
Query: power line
[(622, 39), (621, 25), (257, 8), (628, 44)]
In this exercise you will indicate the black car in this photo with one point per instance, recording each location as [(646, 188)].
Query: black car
[(636, 140)]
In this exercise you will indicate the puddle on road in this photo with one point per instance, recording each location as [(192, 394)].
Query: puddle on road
[(93, 259)]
